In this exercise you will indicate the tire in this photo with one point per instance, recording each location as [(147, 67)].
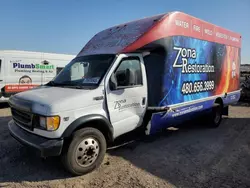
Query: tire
[(216, 116), (85, 152)]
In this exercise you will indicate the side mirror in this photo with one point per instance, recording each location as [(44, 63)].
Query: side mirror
[(112, 82)]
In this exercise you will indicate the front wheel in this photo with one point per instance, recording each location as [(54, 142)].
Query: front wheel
[(85, 152)]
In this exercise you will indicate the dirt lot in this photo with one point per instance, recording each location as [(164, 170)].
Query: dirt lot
[(193, 156)]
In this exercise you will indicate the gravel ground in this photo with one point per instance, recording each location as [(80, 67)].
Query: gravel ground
[(193, 156)]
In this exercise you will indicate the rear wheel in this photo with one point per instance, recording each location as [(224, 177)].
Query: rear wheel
[(85, 152), (216, 115)]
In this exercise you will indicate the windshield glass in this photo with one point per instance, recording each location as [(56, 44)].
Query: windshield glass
[(84, 71)]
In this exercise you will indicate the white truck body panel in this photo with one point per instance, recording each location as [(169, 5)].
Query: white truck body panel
[(16, 69), (66, 102)]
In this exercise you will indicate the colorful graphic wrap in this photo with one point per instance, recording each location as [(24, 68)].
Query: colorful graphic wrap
[(131, 36), (181, 24), (193, 69), (229, 79), (196, 69), (166, 119)]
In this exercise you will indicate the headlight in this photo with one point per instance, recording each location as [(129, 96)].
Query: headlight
[(50, 123), (43, 122)]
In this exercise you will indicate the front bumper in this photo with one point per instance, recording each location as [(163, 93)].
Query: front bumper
[(46, 147)]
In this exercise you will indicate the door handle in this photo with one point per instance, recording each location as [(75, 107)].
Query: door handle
[(98, 98), (143, 100), (1, 80)]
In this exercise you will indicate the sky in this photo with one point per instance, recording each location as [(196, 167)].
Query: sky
[(59, 26)]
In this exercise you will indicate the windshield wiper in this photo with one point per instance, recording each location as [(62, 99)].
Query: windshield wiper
[(66, 83), (85, 87), (79, 87), (51, 83), (69, 84)]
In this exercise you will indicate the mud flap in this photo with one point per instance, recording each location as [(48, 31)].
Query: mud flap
[(147, 122), (225, 111)]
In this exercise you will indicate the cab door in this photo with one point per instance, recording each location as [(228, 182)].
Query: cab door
[(126, 93)]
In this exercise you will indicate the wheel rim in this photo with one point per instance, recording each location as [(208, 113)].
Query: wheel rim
[(87, 152), (217, 116)]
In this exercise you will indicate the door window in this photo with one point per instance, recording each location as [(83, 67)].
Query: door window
[(129, 73)]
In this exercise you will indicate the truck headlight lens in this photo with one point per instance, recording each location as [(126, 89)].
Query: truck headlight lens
[(43, 122), (50, 123)]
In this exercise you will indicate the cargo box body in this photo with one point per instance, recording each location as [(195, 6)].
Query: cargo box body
[(191, 64), (190, 59)]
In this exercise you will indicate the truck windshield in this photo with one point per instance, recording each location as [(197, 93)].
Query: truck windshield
[(83, 71)]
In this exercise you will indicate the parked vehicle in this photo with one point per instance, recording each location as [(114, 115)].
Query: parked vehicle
[(150, 73), (245, 82), (23, 70)]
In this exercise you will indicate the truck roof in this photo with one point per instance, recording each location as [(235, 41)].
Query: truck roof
[(132, 36)]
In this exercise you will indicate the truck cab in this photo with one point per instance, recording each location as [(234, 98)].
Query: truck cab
[(104, 94)]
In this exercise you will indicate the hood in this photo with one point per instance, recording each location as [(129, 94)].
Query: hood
[(50, 100)]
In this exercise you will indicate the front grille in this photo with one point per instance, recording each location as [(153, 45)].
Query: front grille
[(22, 118)]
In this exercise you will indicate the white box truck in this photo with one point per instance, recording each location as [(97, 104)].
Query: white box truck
[(23, 70), (150, 74)]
